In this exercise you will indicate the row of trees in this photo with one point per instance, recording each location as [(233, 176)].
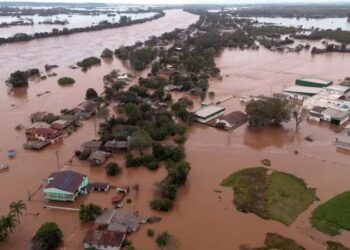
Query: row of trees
[(9, 222)]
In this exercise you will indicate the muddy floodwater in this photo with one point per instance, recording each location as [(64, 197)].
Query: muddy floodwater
[(201, 218)]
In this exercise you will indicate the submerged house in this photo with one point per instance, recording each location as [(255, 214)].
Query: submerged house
[(101, 239), (232, 120), (342, 142), (60, 124), (45, 134), (315, 113), (208, 113), (120, 144), (97, 158), (90, 146), (65, 185)]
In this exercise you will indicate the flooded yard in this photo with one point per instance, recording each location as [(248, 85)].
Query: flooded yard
[(204, 216)]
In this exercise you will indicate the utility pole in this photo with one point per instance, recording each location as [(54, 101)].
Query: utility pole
[(58, 159)]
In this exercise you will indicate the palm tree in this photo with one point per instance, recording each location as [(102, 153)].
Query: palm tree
[(9, 223), (17, 207)]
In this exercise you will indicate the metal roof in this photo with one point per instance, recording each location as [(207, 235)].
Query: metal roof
[(209, 110), (303, 89), (318, 81)]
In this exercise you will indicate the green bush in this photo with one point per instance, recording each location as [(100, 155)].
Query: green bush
[(66, 81), (48, 237), (107, 53), (161, 204), (180, 139), (84, 156), (113, 169), (163, 239), (150, 232), (91, 94), (89, 61), (89, 212)]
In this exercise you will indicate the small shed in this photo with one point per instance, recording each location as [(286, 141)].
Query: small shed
[(97, 158)]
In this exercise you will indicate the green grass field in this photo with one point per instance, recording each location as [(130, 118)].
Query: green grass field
[(278, 196), (333, 215)]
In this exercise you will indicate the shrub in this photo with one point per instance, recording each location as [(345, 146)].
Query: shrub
[(163, 239), (89, 61), (18, 79), (89, 212), (161, 204), (128, 200), (48, 237), (180, 139), (107, 53), (113, 169), (150, 232), (83, 156), (66, 81), (91, 94), (153, 165)]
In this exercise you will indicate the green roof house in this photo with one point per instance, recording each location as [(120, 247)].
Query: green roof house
[(65, 185), (310, 82)]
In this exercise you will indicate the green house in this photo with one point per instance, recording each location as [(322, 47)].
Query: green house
[(65, 185), (310, 82)]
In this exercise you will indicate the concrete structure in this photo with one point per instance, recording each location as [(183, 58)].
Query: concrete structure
[(343, 90), (342, 142), (65, 185), (44, 134), (311, 82), (315, 113), (208, 113)]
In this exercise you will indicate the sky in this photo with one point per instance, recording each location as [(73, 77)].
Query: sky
[(185, 1)]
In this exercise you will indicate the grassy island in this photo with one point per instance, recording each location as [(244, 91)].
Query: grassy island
[(276, 241), (270, 194), (333, 215)]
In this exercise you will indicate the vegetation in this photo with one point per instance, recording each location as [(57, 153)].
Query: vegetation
[(150, 232), (19, 79), (89, 212), (333, 245), (107, 53), (277, 195), (9, 222), (163, 239), (113, 169), (338, 35), (91, 94), (88, 62), (66, 81), (161, 204), (48, 237), (276, 241), (269, 110), (333, 215)]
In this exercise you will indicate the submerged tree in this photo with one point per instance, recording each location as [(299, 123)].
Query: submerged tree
[(299, 115), (269, 110)]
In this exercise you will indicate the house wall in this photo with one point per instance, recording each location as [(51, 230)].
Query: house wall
[(210, 117), (99, 247)]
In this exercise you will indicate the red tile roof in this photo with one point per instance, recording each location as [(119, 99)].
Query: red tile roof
[(104, 238)]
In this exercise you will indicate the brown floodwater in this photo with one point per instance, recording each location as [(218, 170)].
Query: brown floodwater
[(202, 218)]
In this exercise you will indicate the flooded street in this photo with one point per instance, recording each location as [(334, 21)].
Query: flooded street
[(201, 218)]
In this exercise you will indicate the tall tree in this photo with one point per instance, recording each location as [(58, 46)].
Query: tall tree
[(17, 207)]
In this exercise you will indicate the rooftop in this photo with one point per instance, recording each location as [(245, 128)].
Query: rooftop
[(209, 110), (302, 89), (66, 180), (98, 237), (318, 81)]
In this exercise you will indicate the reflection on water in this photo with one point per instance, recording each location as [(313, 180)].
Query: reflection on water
[(276, 136), (324, 23)]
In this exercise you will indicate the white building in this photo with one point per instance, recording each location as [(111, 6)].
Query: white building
[(208, 113)]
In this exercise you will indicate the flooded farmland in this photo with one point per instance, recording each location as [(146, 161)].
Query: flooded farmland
[(202, 218)]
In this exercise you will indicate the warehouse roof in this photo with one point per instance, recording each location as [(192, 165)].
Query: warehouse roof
[(209, 110), (318, 81), (303, 90)]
